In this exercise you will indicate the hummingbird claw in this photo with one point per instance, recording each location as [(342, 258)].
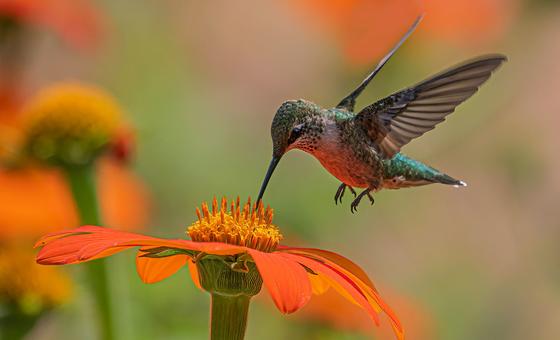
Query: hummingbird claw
[(340, 192), (371, 199), (356, 201)]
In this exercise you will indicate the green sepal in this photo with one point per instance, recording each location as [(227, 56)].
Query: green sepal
[(229, 276), (165, 252)]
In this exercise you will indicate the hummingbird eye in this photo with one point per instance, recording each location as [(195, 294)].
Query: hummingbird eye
[(295, 133)]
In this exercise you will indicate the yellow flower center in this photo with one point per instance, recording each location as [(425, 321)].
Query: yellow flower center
[(71, 123), (244, 226)]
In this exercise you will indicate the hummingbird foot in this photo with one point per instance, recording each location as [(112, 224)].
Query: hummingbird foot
[(340, 193), (371, 199), (356, 201)]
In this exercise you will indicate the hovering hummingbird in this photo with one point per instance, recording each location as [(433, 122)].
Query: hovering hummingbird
[(363, 150)]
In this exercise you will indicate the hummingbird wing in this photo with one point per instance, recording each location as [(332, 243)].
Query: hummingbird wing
[(349, 101), (395, 120)]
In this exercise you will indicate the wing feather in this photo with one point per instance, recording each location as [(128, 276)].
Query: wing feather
[(348, 102), (397, 119)]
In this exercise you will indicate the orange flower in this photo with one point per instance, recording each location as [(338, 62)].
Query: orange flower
[(331, 310), (367, 29), (468, 21), (76, 21), (420, 322), (364, 29), (124, 200), (244, 239)]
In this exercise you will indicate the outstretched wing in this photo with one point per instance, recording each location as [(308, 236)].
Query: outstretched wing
[(397, 119), (349, 101)]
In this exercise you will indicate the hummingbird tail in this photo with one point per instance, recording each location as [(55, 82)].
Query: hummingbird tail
[(446, 179), (402, 172)]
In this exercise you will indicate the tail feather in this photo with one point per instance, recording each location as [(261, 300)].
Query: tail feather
[(446, 179), (402, 171)]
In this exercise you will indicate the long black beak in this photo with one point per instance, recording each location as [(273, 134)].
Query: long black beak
[(271, 167)]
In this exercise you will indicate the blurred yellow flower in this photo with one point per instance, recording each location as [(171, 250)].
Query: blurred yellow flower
[(27, 286), (70, 124)]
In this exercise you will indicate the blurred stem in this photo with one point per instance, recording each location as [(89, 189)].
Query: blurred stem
[(229, 316), (83, 187), (15, 324)]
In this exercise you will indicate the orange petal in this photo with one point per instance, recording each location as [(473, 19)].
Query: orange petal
[(342, 292), (358, 279), (193, 270), (83, 244), (342, 264), (344, 286), (353, 289), (63, 233), (90, 242), (152, 270), (285, 279), (335, 258), (319, 285)]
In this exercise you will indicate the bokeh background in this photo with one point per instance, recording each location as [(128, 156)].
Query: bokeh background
[(200, 82)]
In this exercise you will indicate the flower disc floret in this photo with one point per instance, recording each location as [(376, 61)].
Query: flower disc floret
[(70, 124), (243, 226)]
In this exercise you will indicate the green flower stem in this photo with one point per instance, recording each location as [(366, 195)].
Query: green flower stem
[(231, 292), (228, 320), (82, 184)]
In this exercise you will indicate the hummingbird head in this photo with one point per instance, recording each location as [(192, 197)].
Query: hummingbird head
[(294, 127)]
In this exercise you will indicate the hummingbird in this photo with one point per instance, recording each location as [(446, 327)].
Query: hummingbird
[(362, 149)]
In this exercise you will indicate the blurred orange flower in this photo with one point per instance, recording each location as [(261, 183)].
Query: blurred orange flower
[(367, 29), (472, 22), (331, 310), (78, 22), (364, 29), (34, 200), (10, 100), (242, 238)]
